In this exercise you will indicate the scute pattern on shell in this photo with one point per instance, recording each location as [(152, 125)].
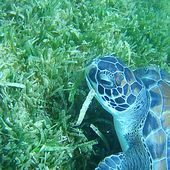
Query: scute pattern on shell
[(157, 125)]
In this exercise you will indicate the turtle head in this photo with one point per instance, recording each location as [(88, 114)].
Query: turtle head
[(121, 93), (115, 85)]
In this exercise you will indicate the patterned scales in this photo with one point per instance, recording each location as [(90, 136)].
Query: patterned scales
[(139, 102)]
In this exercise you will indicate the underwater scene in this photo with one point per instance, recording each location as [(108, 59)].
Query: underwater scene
[(85, 85)]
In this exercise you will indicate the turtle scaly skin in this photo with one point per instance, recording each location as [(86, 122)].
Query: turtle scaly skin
[(139, 102)]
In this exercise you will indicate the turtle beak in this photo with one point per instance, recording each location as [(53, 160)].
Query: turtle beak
[(90, 72)]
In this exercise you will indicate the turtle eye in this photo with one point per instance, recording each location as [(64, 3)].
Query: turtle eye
[(106, 80)]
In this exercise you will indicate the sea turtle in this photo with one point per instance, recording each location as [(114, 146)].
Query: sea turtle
[(139, 102)]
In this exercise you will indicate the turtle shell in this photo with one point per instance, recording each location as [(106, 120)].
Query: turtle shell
[(156, 129)]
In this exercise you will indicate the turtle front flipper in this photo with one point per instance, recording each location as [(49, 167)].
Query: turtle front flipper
[(112, 162), (136, 158)]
